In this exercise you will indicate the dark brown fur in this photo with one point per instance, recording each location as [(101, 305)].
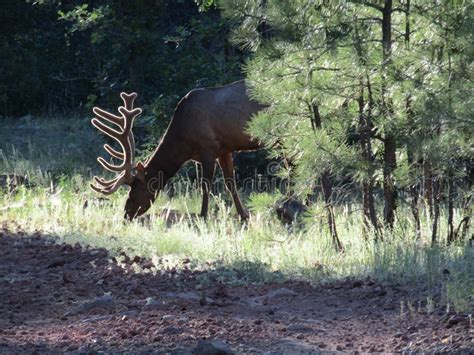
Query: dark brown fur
[(208, 124)]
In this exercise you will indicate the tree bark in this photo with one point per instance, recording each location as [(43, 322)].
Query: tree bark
[(428, 186), (414, 166), (451, 192), (467, 205), (327, 187), (327, 194), (370, 216), (364, 134), (437, 188), (390, 159)]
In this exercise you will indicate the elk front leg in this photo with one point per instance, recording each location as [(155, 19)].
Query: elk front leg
[(208, 168), (227, 165)]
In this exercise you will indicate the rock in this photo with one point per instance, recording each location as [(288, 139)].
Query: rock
[(168, 318), (453, 320), (56, 263), (290, 346), (379, 292), (212, 347), (258, 302), (190, 296), (289, 209), (95, 319), (105, 301), (182, 320), (172, 330), (281, 292), (299, 328), (181, 351), (152, 303)]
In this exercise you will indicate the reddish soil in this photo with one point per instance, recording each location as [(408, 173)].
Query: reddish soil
[(45, 288)]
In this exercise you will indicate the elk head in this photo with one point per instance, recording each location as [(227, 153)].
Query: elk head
[(140, 196)]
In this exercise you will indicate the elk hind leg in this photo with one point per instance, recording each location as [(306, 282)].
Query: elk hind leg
[(208, 168), (227, 165)]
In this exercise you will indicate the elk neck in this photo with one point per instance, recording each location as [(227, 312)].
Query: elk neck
[(167, 158)]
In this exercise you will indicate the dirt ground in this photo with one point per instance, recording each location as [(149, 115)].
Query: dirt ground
[(59, 298)]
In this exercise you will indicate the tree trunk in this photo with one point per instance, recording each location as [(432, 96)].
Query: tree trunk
[(327, 194), (414, 193), (316, 123), (414, 167), (467, 205), (451, 192), (389, 191), (436, 209), (390, 159), (428, 186), (370, 217)]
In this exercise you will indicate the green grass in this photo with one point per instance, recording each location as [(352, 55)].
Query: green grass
[(260, 251)]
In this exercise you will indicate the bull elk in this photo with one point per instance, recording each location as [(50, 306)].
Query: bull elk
[(208, 125)]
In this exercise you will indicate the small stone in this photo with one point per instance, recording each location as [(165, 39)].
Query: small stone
[(168, 318), (105, 301), (172, 330), (212, 347), (182, 320), (453, 320), (299, 328), (151, 302), (379, 292), (281, 292), (398, 334)]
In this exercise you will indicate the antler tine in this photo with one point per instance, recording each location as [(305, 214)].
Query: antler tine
[(126, 134), (118, 137), (105, 183), (131, 142), (124, 137), (118, 120), (111, 167), (106, 191), (128, 99), (113, 152), (110, 186)]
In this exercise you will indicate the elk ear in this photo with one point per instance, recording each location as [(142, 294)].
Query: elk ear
[(140, 169)]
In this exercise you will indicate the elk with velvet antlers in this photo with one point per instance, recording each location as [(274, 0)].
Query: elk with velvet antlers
[(208, 125)]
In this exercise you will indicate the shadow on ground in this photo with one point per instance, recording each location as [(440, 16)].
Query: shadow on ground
[(57, 297)]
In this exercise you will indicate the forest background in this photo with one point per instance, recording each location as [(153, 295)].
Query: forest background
[(369, 104)]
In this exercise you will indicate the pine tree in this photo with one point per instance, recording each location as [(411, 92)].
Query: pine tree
[(367, 90)]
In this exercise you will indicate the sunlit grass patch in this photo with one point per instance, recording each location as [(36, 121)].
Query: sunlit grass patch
[(262, 250)]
